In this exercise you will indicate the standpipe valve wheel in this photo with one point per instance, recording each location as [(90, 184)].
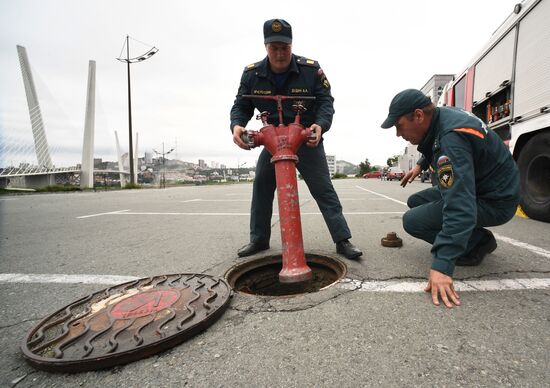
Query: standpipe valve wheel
[(391, 240)]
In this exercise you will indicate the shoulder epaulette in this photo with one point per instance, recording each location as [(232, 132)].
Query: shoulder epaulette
[(252, 66), (307, 62)]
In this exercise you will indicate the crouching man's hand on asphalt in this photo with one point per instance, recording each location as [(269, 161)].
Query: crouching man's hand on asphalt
[(440, 284), (237, 132), (409, 177)]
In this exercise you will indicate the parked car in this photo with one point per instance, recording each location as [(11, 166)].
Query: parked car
[(395, 173), (372, 174)]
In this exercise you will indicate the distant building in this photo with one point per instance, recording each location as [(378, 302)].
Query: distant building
[(202, 163), (434, 87), (110, 166), (331, 161), (223, 166), (148, 158), (408, 159)]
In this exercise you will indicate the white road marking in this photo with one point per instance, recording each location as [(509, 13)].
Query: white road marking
[(390, 286), (216, 200), (381, 195), (460, 285), (177, 214), (362, 199), (64, 279), (9, 199), (248, 200), (129, 213), (529, 247), (104, 214)]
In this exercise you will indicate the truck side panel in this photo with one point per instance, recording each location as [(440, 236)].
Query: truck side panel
[(532, 81)]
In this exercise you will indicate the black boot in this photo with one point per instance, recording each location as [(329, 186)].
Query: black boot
[(252, 248), (347, 249), (486, 245)]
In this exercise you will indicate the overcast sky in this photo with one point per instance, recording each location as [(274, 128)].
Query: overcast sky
[(369, 51)]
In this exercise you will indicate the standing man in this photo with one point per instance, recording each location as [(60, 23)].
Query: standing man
[(478, 186), (283, 73)]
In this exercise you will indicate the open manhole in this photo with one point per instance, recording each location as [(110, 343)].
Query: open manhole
[(261, 276)]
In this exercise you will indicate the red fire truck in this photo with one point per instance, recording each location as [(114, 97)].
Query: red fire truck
[(507, 85)]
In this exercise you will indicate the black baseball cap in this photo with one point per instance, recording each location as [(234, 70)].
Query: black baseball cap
[(277, 30), (405, 102)]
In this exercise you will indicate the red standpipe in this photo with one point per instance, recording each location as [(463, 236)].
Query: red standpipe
[(283, 142)]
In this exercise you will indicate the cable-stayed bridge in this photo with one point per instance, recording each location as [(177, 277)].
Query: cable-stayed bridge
[(44, 173)]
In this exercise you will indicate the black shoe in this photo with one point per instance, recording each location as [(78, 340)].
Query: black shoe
[(486, 245), (252, 248), (347, 249)]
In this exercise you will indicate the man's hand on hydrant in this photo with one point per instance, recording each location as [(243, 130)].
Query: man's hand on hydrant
[(440, 284), (318, 132), (237, 132)]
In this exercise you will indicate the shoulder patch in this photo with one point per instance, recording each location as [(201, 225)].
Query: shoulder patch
[(307, 62), (470, 131), (445, 175)]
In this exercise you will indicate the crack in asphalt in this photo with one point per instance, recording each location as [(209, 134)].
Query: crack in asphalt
[(18, 323), (265, 303)]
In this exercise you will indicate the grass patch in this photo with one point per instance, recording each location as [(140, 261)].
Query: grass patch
[(56, 188), (339, 176), (130, 185)]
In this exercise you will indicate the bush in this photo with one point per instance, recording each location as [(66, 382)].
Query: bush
[(339, 176), (131, 185), (56, 188)]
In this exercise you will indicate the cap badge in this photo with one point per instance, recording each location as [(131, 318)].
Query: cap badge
[(276, 26)]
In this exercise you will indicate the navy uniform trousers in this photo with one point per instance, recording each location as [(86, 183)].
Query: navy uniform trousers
[(424, 220), (313, 167)]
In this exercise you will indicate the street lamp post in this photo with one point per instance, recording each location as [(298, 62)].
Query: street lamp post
[(129, 60), (163, 181), (239, 170)]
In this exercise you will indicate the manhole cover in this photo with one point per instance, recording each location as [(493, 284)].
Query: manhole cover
[(126, 322), (261, 276)]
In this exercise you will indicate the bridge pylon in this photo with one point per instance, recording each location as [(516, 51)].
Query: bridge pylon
[(39, 133), (87, 174)]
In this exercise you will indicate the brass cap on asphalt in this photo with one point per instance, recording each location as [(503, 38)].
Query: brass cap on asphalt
[(391, 240)]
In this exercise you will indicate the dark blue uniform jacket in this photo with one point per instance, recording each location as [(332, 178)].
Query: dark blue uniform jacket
[(305, 78), (473, 165)]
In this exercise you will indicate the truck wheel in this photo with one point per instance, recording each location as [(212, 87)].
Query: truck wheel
[(534, 170)]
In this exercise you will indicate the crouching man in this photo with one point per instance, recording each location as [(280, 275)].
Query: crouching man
[(478, 186)]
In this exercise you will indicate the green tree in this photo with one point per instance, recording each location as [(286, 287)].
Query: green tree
[(365, 167), (391, 161)]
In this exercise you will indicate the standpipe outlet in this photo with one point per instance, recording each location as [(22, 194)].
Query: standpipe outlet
[(282, 142)]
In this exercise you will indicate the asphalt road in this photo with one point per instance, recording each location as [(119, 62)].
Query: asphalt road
[(374, 328)]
